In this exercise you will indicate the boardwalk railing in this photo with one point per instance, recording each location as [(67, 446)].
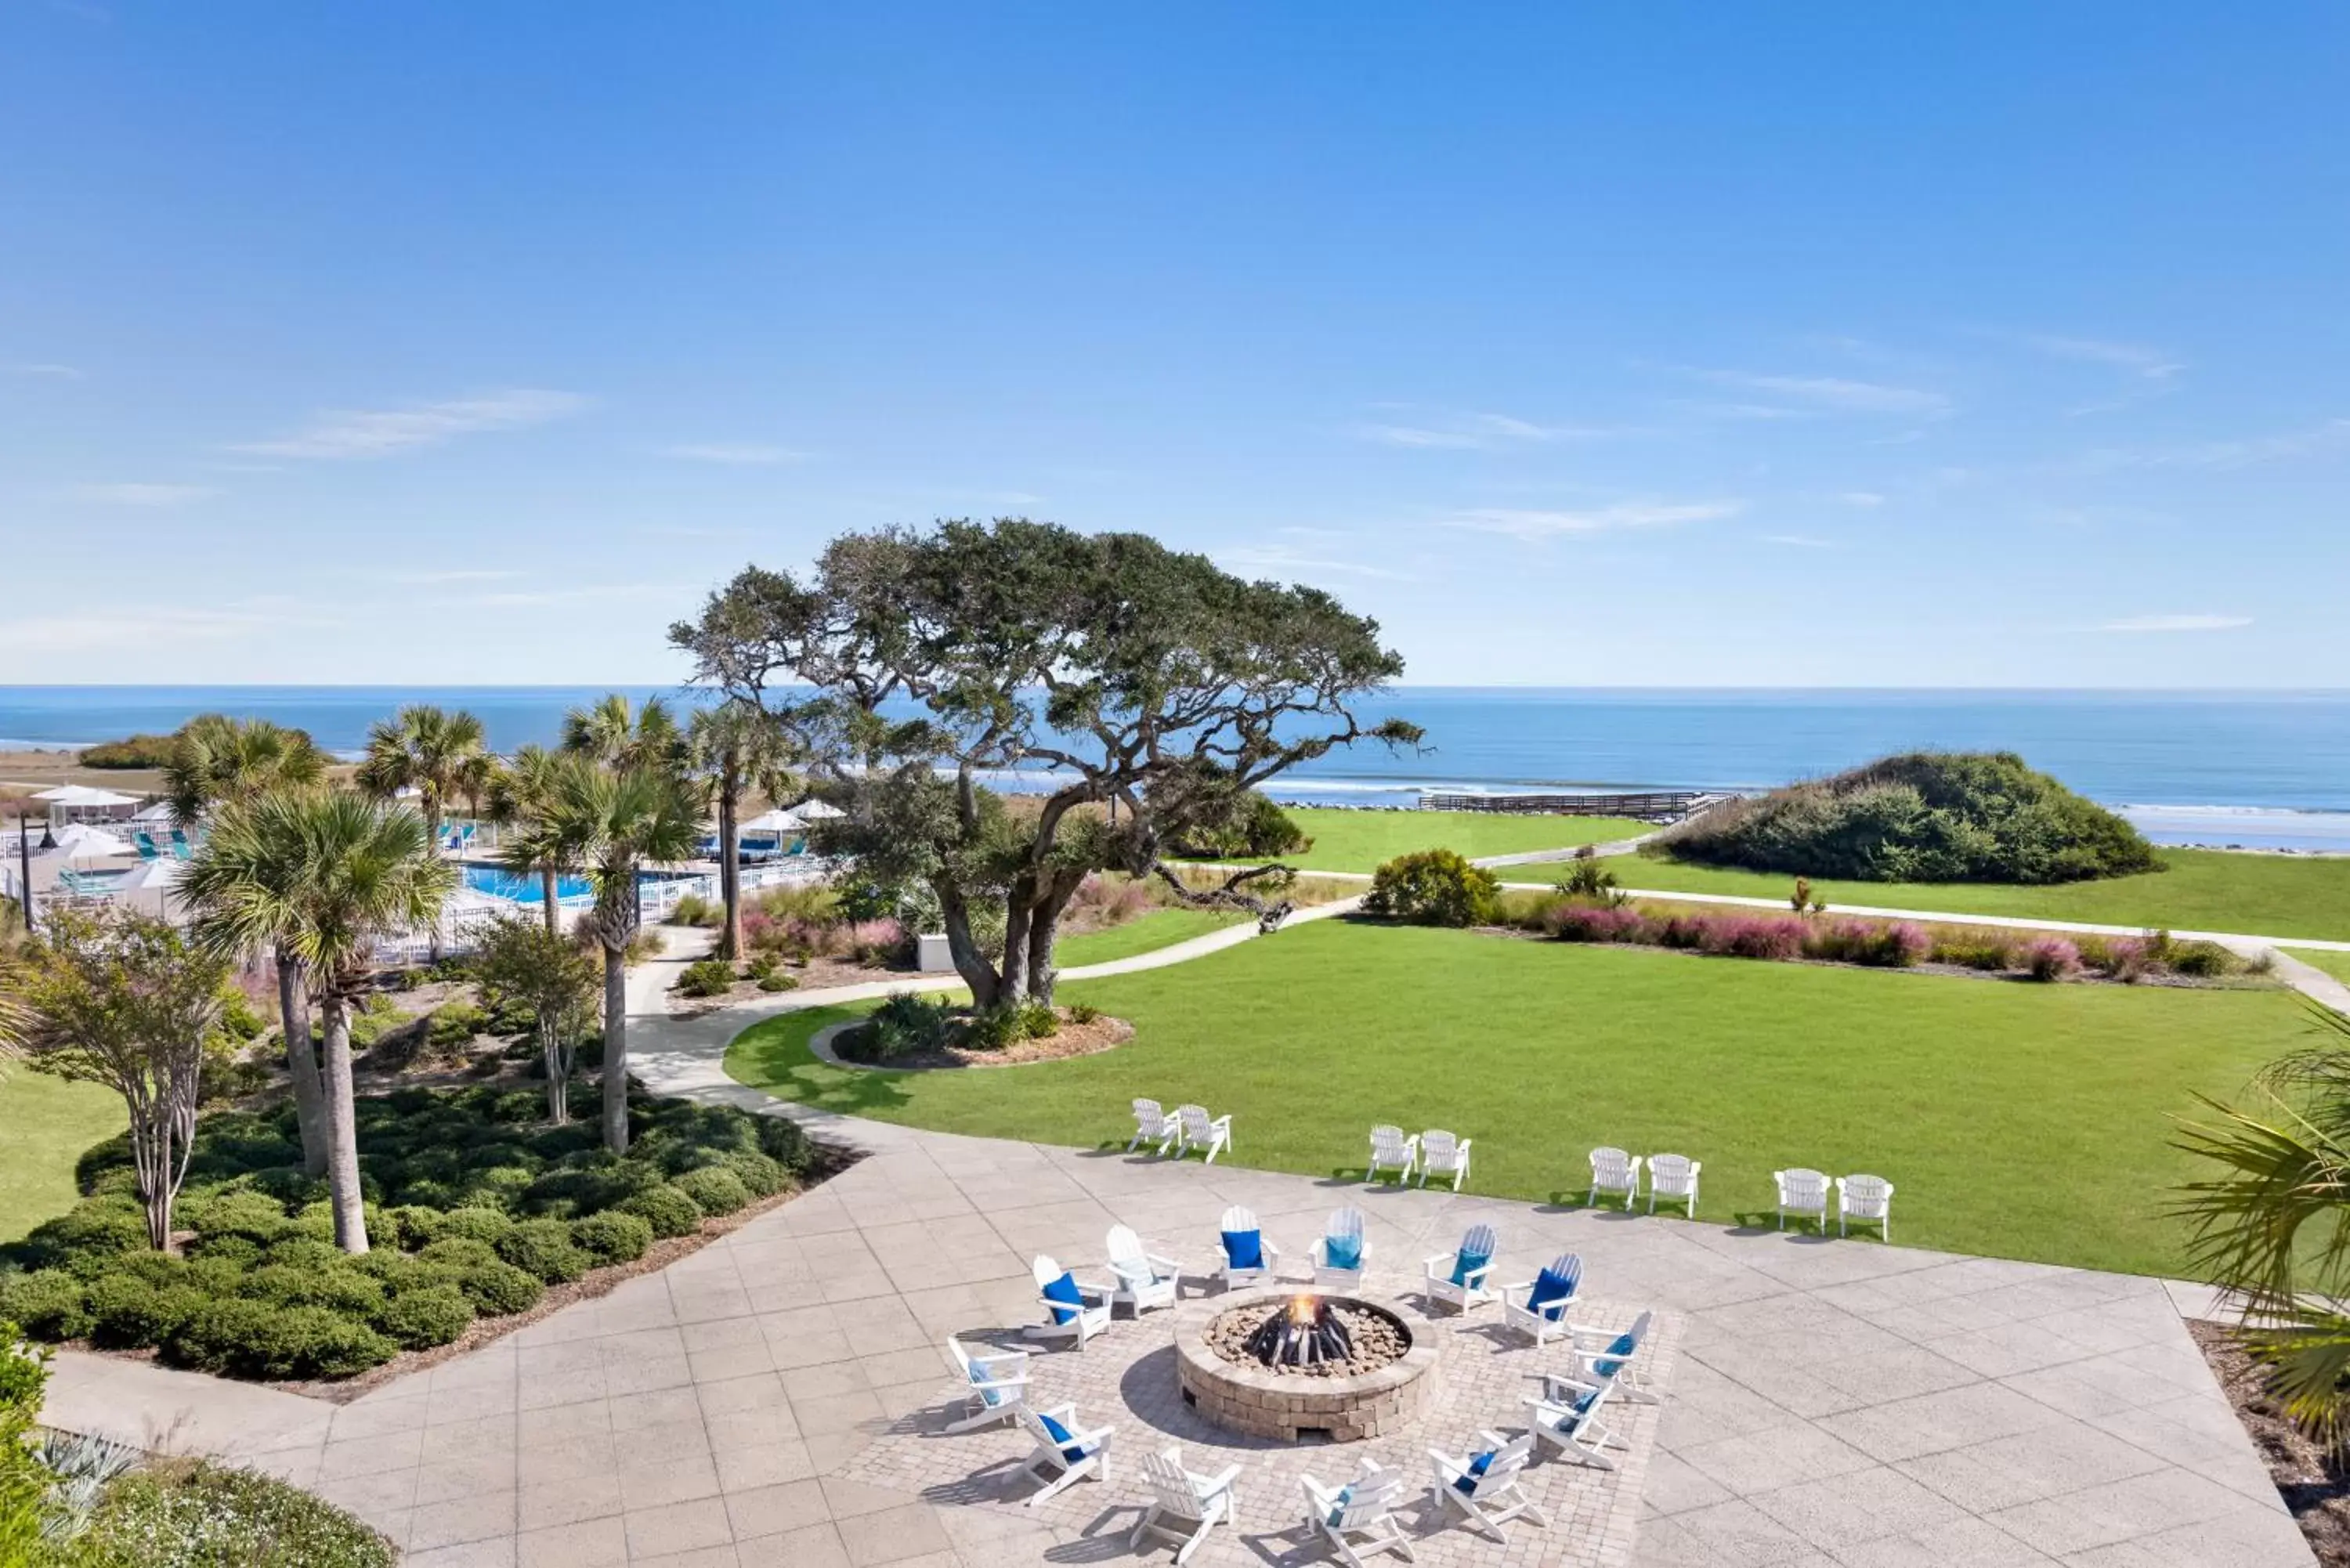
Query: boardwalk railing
[(1652, 805)]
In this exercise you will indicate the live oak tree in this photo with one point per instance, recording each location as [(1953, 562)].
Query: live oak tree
[(1153, 688)]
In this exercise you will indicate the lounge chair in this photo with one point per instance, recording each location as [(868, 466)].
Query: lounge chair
[(1803, 1192), (1364, 1509), (1483, 1486), (1072, 1311), (1247, 1254), (1443, 1155), (145, 844), (1343, 1252), (1184, 1506), (1868, 1200), (181, 849), (1615, 1173), (1614, 1360), (1152, 1125), (1539, 1310), (999, 1385), (1566, 1417), (1144, 1279), (1195, 1128), (1394, 1149), (1462, 1277), (1673, 1177), (1064, 1451)]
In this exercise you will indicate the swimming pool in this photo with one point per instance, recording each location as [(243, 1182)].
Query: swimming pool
[(521, 887)]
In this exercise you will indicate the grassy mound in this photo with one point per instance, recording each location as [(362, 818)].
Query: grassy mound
[(1928, 817)]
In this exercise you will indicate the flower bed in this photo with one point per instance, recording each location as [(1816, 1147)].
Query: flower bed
[(475, 1206)]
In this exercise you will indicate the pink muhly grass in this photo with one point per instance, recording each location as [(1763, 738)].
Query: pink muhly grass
[(2052, 957)]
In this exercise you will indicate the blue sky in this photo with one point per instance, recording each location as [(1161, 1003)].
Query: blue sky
[(1998, 344)]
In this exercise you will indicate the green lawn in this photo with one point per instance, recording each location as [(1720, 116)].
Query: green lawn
[(1146, 933), (48, 1123), (1362, 840), (2335, 964), (2203, 890), (2018, 1120)]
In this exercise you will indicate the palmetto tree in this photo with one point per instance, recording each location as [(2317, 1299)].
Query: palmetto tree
[(2271, 1224), (518, 793), (608, 733), (216, 761), (325, 876), (438, 753), (614, 820), (737, 747)]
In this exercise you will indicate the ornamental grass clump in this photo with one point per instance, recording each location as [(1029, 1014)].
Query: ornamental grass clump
[(1889, 945), (2051, 959), (1571, 921), (1775, 937)]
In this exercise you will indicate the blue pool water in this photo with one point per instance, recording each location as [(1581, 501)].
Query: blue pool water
[(500, 883)]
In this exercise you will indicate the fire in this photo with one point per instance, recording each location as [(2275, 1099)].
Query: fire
[(1302, 1310)]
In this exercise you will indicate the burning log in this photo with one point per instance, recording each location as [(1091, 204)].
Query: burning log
[(1306, 1333)]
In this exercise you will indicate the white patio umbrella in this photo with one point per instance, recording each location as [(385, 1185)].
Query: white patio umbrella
[(79, 841), (785, 821), (156, 874), (817, 811), (77, 797)]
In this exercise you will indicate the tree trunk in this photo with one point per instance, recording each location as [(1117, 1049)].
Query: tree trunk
[(730, 864), (558, 1074), (1045, 929), (1017, 912), (548, 887), (432, 939), (302, 1062), (342, 1127), (616, 1039), (149, 1159), (977, 969)]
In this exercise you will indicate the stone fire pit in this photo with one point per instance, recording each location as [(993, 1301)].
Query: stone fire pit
[(1388, 1382)]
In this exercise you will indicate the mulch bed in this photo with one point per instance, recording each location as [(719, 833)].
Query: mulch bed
[(2314, 1484), (1073, 1039), (817, 974)]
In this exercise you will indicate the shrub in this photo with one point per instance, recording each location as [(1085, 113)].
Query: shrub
[(1777, 937), (776, 981), (262, 1339), (996, 1029), (455, 1022), (475, 1224), (1974, 949), (1588, 879), (705, 977), (497, 1288), (403, 1271), (2204, 958), (760, 1176), (1888, 945), (252, 1215), (612, 1237), (345, 1290), (87, 1237), (48, 1303), (2051, 959), (459, 1253), (668, 1210), (1927, 816), (419, 1319), (693, 909), (141, 751), (714, 1190), (1038, 1020), (1432, 887), (1570, 921), (543, 1247), (127, 1313), (306, 1252), (1084, 1012), (906, 1023), (179, 1514)]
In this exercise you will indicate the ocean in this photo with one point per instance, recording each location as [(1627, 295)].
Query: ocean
[(2260, 769)]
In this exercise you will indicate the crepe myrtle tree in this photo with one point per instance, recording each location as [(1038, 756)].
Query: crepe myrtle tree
[(1157, 689)]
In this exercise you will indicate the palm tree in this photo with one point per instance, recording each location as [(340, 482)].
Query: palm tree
[(737, 747), (216, 761), (518, 793), (438, 753), (614, 820), (326, 876), (2271, 1226), (607, 732)]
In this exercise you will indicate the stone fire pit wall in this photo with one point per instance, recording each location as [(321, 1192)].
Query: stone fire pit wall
[(1259, 1402)]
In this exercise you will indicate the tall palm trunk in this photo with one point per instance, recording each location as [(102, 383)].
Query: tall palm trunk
[(342, 1125), (548, 885), (302, 1062), (615, 1039), (432, 940), (730, 861)]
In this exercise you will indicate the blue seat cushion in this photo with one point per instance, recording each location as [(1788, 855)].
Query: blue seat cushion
[(1619, 1352), (1465, 1263), (1551, 1293), (1466, 1485), (1574, 1411), (1244, 1249), (1070, 1450), (1065, 1291), (1342, 1251), (1338, 1505)]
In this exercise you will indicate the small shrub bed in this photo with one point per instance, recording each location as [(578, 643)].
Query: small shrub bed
[(1433, 887), (913, 1029), (474, 1208), (185, 1514), (705, 977)]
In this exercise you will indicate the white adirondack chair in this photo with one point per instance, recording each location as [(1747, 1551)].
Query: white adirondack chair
[(1868, 1200), (1195, 1128), (1064, 1451), (1615, 1173), (1567, 1419), (1443, 1155), (999, 1385), (1483, 1486), (1078, 1321), (1613, 1359), (1152, 1125), (1673, 1177), (1537, 1307), (1342, 1239), (1232, 1245), (1364, 1509), (1184, 1506), (1392, 1148), (1145, 1280), (1804, 1193), (1462, 1277)]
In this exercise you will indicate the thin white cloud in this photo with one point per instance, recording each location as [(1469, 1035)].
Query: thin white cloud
[(1518, 522), (2138, 358), (2178, 623), (582, 592), (114, 627), (348, 433), (1477, 432), (1797, 541), (2319, 439), (743, 454), (459, 575), (140, 495), (1861, 498), (49, 372), (1834, 393), (1289, 563)]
